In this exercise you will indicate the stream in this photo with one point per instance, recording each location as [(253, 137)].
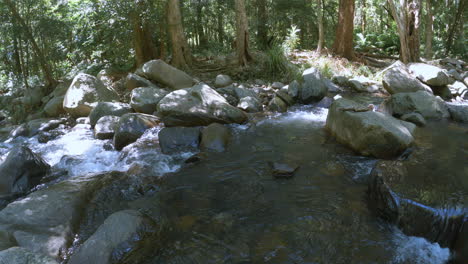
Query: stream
[(228, 208)]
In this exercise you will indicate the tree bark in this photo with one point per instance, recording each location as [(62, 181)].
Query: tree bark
[(429, 29), (262, 19), (242, 34), (455, 25), (145, 49), (201, 33), (321, 39), (343, 45), (181, 56), (407, 18), (220, 21), (364, 16), (40, 56)]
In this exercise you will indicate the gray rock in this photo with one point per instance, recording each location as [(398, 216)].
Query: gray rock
[(277, 85), (414, 118), (242, 92), (84, 93), (285, 97), (283, 170), (133, 81), (332, 87), (250, 104), (18, 255), (455, 75), (313, 87), (340, 80), (61, 88), (33, 127), (159, 71), (399, 80), (326, 102), (113, 239), (430, 75), (21, 170), (458, 89), (222, 81), (145, 100), (179, 139), (426, 104), (367, 132), (277, 105), (198, 106), (131, 127), (458, 112), (294, 89), (54, 107), (105, 127), (215, 138), (107, 109), (33, 96)]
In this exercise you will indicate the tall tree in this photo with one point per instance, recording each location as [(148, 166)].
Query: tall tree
[(407, 17), (145, 49), (343, 45), (242, 33), (181, 55), (262, 18), (429, 29), (456, 25), (321, 40)]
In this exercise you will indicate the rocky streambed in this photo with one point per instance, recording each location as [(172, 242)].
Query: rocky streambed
[(239, 174)]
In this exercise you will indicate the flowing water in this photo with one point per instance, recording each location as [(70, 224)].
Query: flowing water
[(228, 208)]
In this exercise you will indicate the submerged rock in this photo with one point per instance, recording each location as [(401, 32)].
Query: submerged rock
[(215, 138), (161, 72), (131, 127), (367, 132), (21, 171), (108, 109), (283, 170), (83, 94), (18, 255), (145, 99), (119, 233), (198, 106), (179, 139), (424, 103)]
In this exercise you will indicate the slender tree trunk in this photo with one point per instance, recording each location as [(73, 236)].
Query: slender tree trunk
[(343, 45), (145, 49), (429, 29), (364, 16), (181, 56), (407, 18), (242, 34), (42, 61), (220, 23), (462, 5), (201, 33), (262, 19), (321, 39)]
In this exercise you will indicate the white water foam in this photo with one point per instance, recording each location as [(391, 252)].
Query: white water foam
[(302, 114)]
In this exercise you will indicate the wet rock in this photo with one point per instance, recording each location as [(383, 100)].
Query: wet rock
[(367, 132), (414, 118), (131, 127), (426, 104), (215, 138), (21, 170), (45, 220), (222, 81), (6, 240), (458, 89), (277, 105), (198, 106), (399, 80), (118, 235), (430, 75), (33, 127), (108, 109), (105, 127), (313, 87), (83, 94), (44, 137), (294, 89), (179, 139), (277, 85), (326, 102), (285, 97), (145, 99), (455, 74), (133, 81), (18, 255), (250, 104), (283, 170), (242, 92), (161, 72), (54, 107), (458, 112)]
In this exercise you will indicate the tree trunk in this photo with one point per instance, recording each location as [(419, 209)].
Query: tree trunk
[(364, 16), (321, 39), (220, 23), (455, 25), (201, 33), (145, 49), (343, 45), (407, 18), (242, 34), (40, 56), (181, 56), (262, 19), (429, 29)]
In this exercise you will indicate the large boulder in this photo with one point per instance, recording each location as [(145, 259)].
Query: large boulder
[(215, 138), (145, 99), (424, 103), (179, 139), (277, 105), (105, 127), (21, 171), (107, 109), (18, 255), (399, 80), (133, 81), (458, 112), (159, 71), (367, 132), (83, 94), (54, 107), (313, 86), (131, 127), (113, 238), (430, 75), (250, 104), (198, 106)]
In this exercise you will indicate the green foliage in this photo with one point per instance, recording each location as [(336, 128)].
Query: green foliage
[(291, 41), (276, 65), (382, 43)]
